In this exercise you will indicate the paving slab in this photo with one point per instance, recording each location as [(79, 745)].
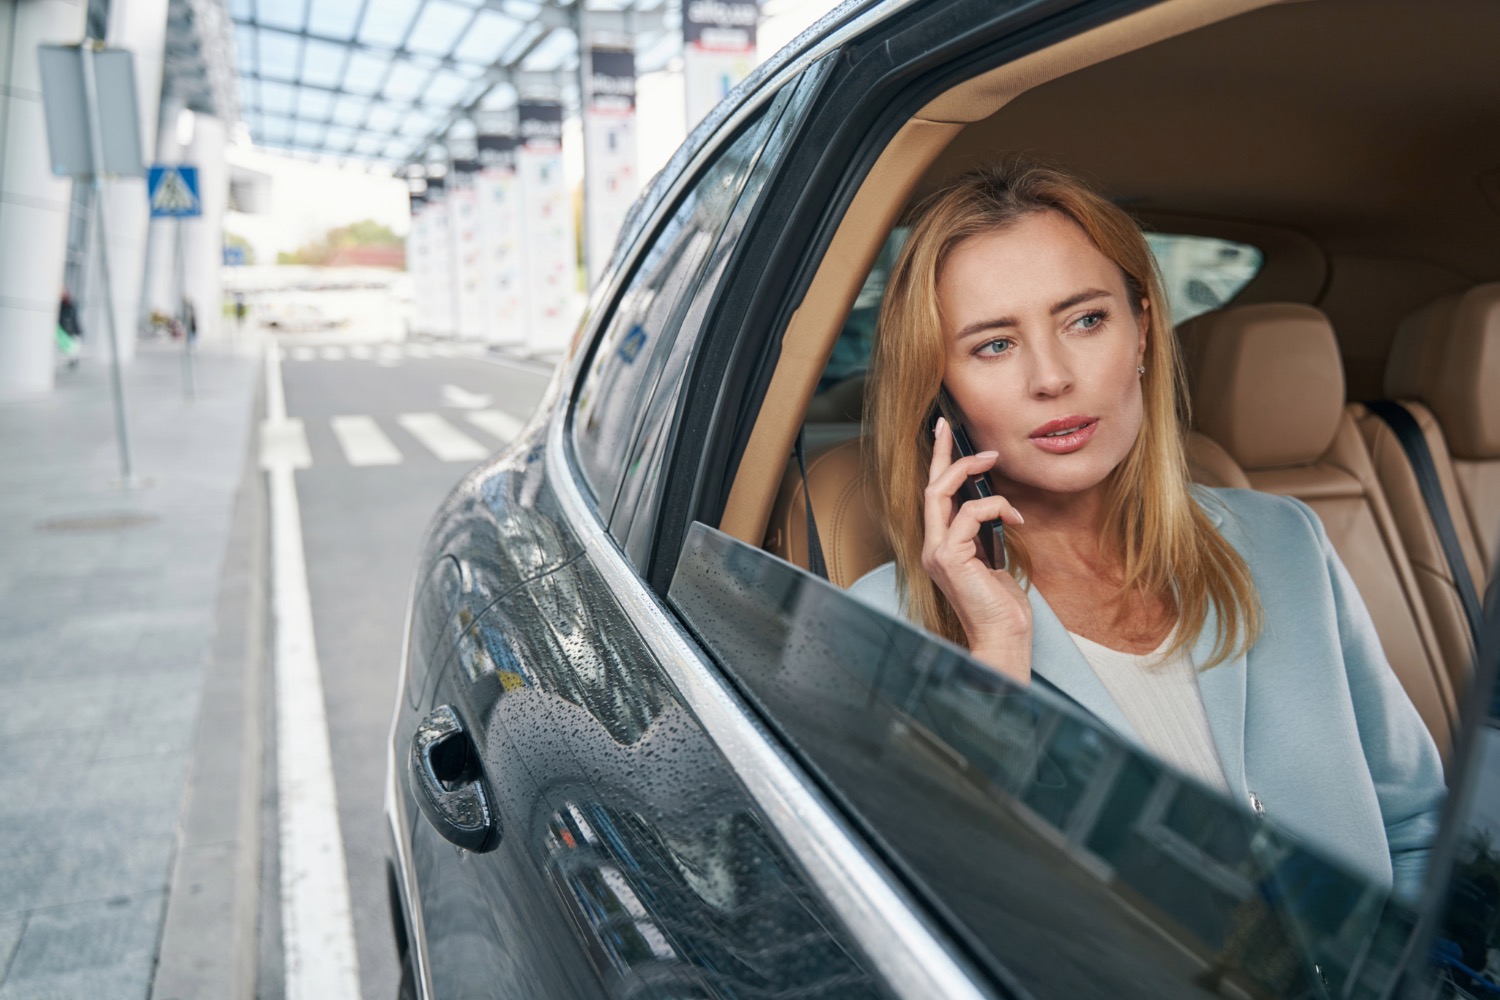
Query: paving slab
[(108, 600)]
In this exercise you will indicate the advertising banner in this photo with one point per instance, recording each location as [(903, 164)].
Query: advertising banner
[(718, 51), (438, 315), (497, 190), (549, 253), (470, 306), (610, 182), (417, 258)]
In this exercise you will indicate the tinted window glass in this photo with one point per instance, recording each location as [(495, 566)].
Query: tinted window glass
[(1069, 861), (648, 318), (1202, 273), (634, 521)]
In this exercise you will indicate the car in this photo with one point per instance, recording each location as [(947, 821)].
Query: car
[(641, 749)]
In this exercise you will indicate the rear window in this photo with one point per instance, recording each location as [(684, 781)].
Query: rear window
[(1202, 273)]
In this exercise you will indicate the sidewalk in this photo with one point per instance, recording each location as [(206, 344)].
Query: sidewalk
[(108, 602)]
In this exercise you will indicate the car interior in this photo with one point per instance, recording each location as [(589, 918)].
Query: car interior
[(1346, 149)]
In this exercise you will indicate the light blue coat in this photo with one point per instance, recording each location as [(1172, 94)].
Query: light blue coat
[(1312, 721)]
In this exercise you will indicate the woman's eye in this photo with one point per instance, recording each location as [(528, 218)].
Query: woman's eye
[(994, 347), (1089, 321)]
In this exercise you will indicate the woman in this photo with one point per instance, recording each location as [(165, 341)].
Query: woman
[(1215, 628)]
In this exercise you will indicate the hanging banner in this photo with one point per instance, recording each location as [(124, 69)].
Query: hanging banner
[(438, 319), (551, 259), (468, 252), (498, 194), (418, 262), (718, 51), (610, 180)]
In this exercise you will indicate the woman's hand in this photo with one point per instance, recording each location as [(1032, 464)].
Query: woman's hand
[(994, 611)]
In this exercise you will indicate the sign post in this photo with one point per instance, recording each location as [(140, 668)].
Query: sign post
[(93, 131), (173, 192)]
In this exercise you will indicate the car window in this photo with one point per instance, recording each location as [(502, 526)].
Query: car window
[(1202, 273), (648, 318), (1072, 863), (634, 520)]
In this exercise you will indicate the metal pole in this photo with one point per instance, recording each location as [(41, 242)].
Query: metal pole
[(585, 69), (188, 389), (96, 150)]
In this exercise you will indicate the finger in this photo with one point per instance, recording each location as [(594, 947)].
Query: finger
[(961, 469), (973, 513), (942, 449)]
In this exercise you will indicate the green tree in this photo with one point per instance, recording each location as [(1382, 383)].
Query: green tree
[(364, 233)]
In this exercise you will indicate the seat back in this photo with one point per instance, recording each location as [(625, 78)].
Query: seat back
[(1447, 356), (1268, 386), (844, 506)]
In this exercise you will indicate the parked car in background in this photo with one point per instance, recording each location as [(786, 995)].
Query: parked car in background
[(640, 750)]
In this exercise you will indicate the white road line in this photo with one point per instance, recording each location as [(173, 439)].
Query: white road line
[(469, 349), (417, 351), (442, 350), (360, 351), (333, 354), (363, 441), (389, 352), (497, 423), (444, 440), (303, 354), (317, 926)]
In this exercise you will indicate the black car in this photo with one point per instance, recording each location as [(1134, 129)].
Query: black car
[(641, 750)]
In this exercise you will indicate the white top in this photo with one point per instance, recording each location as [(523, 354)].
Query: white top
[(1160, 697)]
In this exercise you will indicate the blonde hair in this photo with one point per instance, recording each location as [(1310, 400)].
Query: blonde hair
[(1170, 548)]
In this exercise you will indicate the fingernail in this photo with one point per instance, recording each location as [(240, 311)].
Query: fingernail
[(938, 426), (987, 454), (1019, 518)]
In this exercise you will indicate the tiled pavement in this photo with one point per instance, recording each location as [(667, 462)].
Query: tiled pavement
[(107, 617)]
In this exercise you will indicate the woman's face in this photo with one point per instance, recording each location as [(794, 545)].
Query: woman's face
[(1042, 349)]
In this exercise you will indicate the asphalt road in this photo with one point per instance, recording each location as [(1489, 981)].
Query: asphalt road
[(361, 526)]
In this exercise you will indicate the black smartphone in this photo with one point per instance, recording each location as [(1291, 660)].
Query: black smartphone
[(991, 533)]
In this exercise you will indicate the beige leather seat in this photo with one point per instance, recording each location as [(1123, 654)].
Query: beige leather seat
[(844, 507), (1267, 385), (1445, 365), (1439, 355)]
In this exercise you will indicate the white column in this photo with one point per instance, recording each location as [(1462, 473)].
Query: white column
[(203, 237), (141, 27), (160, 284), (34, 205)]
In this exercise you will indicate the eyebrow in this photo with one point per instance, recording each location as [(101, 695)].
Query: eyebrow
[(1077, 298)]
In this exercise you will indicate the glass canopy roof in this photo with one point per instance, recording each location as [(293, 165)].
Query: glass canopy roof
[(392, 81)]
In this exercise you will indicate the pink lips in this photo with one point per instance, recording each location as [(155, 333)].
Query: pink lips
[(1079, 429)]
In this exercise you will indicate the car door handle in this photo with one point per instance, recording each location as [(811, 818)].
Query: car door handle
[(448, 782)]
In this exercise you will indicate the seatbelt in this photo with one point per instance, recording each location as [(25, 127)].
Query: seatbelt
[(814, 547), (1399, 419)]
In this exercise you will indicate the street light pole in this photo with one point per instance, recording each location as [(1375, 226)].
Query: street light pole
[(96, 151)]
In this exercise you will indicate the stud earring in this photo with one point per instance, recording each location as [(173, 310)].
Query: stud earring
[(1140, 369)]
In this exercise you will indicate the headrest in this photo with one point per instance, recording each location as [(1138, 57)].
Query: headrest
[(1453, 345), (1267, 382)]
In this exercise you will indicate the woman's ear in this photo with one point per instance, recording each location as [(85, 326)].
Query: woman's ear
[(1143, 323)]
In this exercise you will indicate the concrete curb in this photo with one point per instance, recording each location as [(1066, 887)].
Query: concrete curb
[(208, 944)]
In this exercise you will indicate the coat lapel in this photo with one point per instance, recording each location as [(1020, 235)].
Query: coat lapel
[(1223, 687), (1056, 659)]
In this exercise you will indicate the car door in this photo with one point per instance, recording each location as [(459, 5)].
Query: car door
[(573, 828)]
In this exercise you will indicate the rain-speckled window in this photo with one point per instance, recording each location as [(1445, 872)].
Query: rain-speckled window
[(648, 317)]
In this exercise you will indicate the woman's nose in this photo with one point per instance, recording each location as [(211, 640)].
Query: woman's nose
[(1050, 375)]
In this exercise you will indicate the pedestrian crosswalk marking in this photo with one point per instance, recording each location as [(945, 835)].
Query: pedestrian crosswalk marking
[(417, 351), (363, 441), (498, 423), (360, 351), (386, 353), (333, 354), (444, 440), (303, 354)]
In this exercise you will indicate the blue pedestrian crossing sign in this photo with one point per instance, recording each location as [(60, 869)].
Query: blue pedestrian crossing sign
[(173, 190)]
